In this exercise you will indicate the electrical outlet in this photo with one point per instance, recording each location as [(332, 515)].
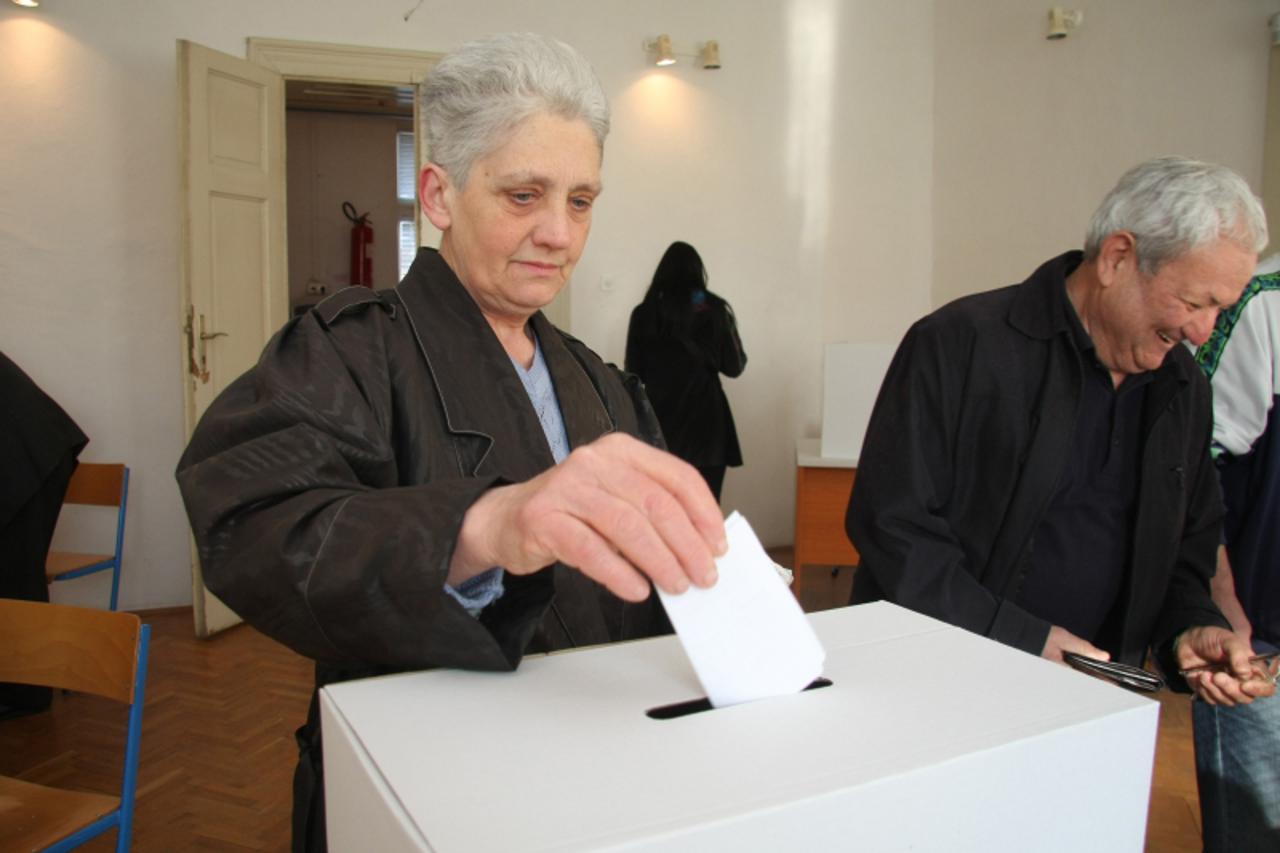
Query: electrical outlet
[(317, 288)]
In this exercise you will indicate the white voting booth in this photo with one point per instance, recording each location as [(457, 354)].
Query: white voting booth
[(928, 738)]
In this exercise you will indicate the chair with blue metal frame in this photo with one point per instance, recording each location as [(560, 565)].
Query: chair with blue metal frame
[(78, 649), (94, 484)]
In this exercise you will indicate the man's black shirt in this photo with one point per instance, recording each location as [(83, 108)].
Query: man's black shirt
[(1081, 551)]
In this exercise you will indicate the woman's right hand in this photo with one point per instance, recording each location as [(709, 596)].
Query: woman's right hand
[(621, 512)]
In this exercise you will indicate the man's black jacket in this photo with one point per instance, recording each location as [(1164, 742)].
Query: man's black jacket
[(966, 444)]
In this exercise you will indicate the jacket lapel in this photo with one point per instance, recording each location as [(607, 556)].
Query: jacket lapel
[(496, 430), (1052, 427), (1038, 313), (1169, 380), (478, 386), (1162, 480), (485, 405), (586, 417)]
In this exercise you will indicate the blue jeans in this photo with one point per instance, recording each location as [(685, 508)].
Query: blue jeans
[(1238, 773)]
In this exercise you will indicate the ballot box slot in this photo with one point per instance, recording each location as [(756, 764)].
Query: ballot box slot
[(697, 706)]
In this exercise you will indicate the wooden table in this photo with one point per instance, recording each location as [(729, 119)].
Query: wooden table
[(823, 485)]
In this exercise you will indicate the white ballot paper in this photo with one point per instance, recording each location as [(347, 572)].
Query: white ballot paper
[(746, 637)]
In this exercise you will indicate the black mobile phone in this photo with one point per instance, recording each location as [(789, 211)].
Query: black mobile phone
[(1131, 677)]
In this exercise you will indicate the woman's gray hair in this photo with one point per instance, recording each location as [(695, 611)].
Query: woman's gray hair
[(1173, 205), (478, 94)]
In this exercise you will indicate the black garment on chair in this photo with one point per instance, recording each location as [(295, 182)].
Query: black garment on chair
[(39, 444)]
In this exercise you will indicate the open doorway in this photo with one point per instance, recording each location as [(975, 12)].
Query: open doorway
[(352, 118), (234, 282), (380, 68), (350, 157)]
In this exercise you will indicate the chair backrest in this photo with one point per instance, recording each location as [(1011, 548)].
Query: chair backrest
[(103, 485), (94, 651), (97, 484), (71, 648)]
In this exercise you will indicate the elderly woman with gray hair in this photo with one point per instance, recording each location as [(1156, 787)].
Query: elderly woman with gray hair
[(435, 475)]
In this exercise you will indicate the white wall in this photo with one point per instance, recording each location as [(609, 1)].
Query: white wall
[(1031, 134), (800, 172), (809, 171)]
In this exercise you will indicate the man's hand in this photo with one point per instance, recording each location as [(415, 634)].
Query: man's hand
[(1232, 680), (1061, 640), (618, 510)]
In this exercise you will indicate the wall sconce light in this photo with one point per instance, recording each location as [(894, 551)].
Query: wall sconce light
[(661, 50), (1063, 20), (707, 56), (30, 4)]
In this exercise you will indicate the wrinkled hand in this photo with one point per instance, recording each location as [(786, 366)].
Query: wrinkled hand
[(1061, 640), (618, 510), (1232, 681)]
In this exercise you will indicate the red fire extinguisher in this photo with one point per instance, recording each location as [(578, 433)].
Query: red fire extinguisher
[(361, 240)]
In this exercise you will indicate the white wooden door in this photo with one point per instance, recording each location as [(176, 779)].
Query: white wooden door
[(234, 272)]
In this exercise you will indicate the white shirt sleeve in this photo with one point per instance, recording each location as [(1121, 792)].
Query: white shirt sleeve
[(1245, 381)]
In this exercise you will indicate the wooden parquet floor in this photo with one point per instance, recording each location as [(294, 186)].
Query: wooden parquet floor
[(218, 753)]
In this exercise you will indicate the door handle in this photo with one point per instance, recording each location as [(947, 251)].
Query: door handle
[(197, 355), (204, 355), (208, 336)]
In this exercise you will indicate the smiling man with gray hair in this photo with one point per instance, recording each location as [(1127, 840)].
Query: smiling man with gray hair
[(1037, 467)]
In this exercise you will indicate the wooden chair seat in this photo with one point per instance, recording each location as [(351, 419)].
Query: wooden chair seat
[(32, 817), (60, 563)]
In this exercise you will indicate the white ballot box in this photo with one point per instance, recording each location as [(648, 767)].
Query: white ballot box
[(928, 738)]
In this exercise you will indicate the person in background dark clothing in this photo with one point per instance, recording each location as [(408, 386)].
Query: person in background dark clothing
[(681, 338), (39, 444)]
